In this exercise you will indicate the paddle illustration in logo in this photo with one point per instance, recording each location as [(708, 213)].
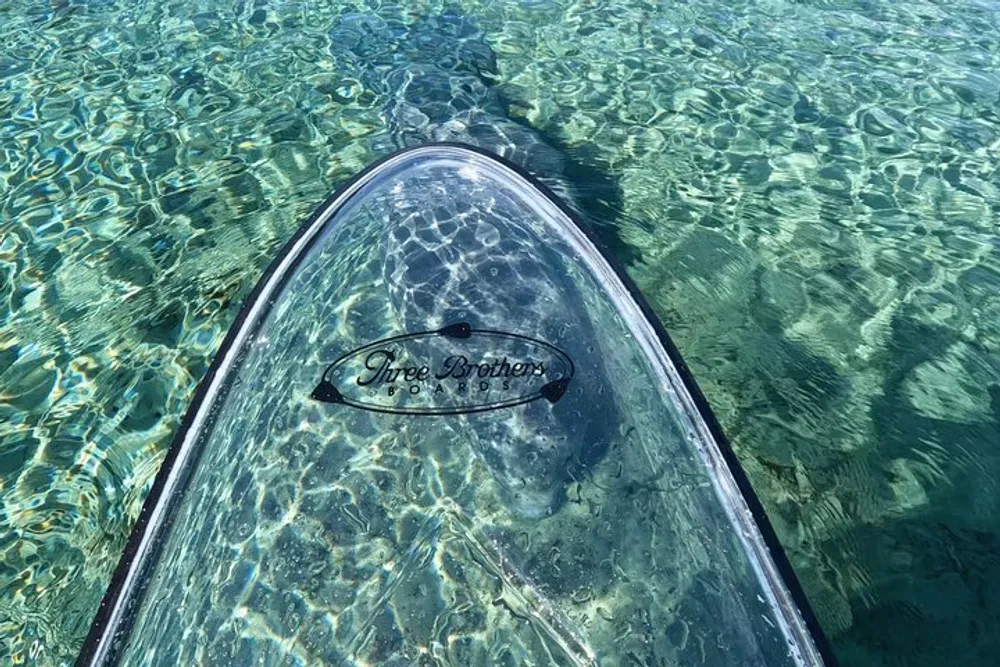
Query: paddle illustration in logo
[(448, 371)]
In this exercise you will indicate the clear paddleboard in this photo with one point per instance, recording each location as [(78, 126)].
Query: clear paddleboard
[(445, 430)]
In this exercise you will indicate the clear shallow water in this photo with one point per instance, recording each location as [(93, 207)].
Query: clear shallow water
[(806, 191)]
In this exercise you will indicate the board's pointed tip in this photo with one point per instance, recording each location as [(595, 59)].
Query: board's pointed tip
[(327, 393), (554, 390), (457, 330)]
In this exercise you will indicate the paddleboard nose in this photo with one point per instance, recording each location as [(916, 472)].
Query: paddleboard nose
[(445, 419)]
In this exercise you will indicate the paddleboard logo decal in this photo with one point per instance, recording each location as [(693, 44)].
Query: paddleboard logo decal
[(454, 370)]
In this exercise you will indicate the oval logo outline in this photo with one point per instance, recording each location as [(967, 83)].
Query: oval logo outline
[(552, 391)]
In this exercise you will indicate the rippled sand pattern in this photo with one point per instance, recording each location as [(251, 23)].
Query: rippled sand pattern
[(808, 194)]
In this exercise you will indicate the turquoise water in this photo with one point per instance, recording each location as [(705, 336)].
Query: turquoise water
[(806, 191)]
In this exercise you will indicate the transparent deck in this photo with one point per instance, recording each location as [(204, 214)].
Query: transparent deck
[(336, 498)]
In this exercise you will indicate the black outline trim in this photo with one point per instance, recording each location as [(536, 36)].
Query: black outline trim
[(776, 551)]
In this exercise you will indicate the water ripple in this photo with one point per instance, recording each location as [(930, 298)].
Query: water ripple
[(811, 187)]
